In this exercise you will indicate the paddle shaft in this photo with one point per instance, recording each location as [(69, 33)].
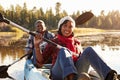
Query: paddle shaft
[(19, 59)]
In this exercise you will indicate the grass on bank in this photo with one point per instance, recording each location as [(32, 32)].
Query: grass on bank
[(78, 32), (84, 31)]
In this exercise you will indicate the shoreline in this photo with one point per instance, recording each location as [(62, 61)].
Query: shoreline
[(87, 36)]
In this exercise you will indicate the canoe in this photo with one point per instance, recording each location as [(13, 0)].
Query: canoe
[(32, 73)]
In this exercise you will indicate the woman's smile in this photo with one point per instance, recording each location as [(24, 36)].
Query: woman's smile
[(67, 29)]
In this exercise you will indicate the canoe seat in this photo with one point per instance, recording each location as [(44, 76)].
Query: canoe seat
[(45, 70), (47, 66)]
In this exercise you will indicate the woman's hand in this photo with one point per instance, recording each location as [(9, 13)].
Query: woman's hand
[(38, 39), (80, 48)]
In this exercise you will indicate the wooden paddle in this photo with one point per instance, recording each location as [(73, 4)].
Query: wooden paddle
[(79, 20)]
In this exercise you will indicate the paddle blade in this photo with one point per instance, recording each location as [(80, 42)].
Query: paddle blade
[(84, 18), (119, 76), (3, 71), (2, 19)]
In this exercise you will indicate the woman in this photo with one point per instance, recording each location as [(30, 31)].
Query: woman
[(69, 62), (40, 28)]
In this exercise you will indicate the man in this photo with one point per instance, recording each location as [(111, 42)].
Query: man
[(40, 28)]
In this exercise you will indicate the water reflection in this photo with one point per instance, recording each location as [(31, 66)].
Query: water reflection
[(10, 54), (110, 54)]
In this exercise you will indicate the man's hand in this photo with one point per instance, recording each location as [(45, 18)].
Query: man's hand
[(38, 39)]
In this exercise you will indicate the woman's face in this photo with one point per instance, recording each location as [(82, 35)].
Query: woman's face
[(67, 29), (39, 27)]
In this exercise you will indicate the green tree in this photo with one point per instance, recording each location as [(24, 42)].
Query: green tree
[(24, 15), (17, 14), (58, 8), (1, 10)]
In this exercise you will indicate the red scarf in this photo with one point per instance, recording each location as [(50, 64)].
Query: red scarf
[(68, 41), (70, 44)]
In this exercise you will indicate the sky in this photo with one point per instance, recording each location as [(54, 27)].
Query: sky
[(69, 5)]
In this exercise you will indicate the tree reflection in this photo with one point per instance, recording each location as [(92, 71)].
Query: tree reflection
[(10, 53)]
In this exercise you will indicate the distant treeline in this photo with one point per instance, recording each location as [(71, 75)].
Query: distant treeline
[(26, 18)]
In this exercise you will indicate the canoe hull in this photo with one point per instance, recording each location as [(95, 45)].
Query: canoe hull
[(31, 73)]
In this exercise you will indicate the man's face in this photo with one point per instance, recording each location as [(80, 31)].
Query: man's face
[(39, 27)]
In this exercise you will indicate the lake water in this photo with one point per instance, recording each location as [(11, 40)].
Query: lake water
[(110, 54)]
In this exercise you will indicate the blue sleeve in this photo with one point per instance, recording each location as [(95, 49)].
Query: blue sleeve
[(29, 44)]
